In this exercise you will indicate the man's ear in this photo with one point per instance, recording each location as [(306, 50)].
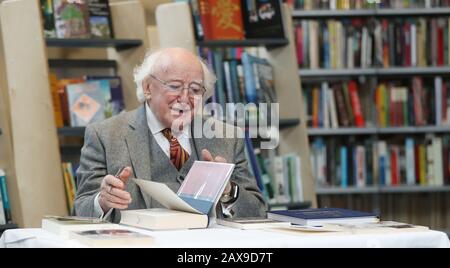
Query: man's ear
[(146, 86)]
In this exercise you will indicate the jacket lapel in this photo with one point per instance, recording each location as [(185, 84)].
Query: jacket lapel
[(138, 144)]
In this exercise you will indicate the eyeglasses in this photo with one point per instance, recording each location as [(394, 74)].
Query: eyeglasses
[(176, 87)]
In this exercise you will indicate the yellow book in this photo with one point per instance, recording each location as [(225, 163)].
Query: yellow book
[(422, 165), (56, 100), (69, 187)]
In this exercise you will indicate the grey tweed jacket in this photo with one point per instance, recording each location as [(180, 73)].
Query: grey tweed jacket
[(124, 140)]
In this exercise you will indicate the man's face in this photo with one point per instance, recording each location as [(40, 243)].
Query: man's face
[(172, 107)]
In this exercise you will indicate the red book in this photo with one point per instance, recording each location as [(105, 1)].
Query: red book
[(356, 104), (226, 20), (205, 18), (395, 180), (440, 44), (418, 102), (417, 165), (407, 37), (299, 43)]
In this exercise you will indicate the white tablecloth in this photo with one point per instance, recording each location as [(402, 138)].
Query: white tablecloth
[(220, 237)]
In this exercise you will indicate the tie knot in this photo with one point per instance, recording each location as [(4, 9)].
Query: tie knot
[(167, 132)]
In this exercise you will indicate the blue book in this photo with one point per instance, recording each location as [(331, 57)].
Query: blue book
[(344, 173), (321, 216), (4, 197)]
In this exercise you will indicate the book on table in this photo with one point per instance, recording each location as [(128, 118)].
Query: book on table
[(322, 216), (62, 226), (191, 207), (252, 223), (115, 238)]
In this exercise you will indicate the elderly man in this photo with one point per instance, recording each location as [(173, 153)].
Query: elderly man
[(170, 86)]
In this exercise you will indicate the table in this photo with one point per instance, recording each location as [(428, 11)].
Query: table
[(223, 237)]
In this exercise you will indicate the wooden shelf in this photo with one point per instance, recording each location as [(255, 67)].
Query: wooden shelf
[(382, 190), (71, 131), (376, 131), (388, 12), (87, 63), (119, 44), (394, 71), (244, 43)]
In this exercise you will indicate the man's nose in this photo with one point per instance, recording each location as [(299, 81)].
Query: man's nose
[(184, 94)]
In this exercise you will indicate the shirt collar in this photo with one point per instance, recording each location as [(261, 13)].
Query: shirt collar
[(156, 126)]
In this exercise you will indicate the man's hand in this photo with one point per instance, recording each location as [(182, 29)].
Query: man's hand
[(112, 191), (206, 156)]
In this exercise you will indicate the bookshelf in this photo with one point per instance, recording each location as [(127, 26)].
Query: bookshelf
[(419, 204), (293, 135), (27, 53)]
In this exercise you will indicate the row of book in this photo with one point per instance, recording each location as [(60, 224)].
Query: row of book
[(364, 43), (69, 170), (5, 209), (76, 19), (237, 19), (80, 101), (278, 176), (365, 4), (416, 161), (397, 104)]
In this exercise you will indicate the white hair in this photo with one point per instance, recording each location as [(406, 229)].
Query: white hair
[(153, 60)]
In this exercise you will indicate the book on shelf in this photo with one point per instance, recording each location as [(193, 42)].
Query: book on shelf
[(112, 238), (419, 101), (221, 20), (89, 102), (251, 223), (262, 19), (63, 225), (48, 18), (421, 161), (5, 208), (69, 175), (100, 19), (108, 86), (236, 19), (193, 204), (71, 19), (365, 43), (322, 216), (364, 4)]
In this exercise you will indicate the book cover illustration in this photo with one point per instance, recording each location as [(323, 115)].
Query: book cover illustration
[(71, 18), (89, 102), (100, 19), (115, 85), (262, 19), (226, 19)]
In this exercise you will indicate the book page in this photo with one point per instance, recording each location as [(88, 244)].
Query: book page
[(164, 195)]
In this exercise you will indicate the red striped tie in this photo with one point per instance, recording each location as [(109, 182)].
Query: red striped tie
[(178, 156)]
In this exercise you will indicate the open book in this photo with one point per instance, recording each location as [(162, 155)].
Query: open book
[(190, 206)]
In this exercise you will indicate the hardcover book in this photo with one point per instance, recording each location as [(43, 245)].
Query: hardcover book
[(252, 223), (190, 207), (100, 19), (71, 19), (115, 86), (321, 216)]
